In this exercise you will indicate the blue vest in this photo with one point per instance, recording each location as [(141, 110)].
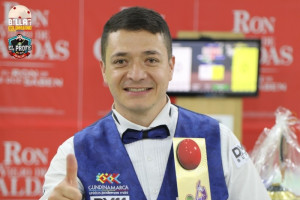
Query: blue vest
[(104, 165)]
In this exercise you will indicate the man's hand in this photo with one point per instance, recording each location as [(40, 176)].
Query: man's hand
[(68, 188)]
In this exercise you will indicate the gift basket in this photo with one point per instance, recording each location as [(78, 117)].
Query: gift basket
[(276, 155)]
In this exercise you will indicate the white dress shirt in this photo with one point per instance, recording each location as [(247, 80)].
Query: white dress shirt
[(150, 157)]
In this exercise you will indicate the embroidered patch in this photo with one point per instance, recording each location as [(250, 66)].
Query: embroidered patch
[(119, 190), (110, 198), (108, 177), (239, 155), (108, 184)]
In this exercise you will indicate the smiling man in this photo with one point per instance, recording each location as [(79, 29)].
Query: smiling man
[(128, 154), (137, 70)]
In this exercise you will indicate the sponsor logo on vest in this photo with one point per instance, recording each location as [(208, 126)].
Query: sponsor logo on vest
[(110, 185), (111, 198), (239, 155), (97, 190), (108, 177)]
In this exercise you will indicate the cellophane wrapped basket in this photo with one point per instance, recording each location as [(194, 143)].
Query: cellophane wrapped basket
[(276, 155)]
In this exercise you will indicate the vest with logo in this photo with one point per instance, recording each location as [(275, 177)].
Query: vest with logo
[(103, 162)]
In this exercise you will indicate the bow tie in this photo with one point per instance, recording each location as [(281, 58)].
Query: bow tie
[(158, 132)]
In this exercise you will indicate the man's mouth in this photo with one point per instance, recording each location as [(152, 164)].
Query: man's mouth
[(137, 89)]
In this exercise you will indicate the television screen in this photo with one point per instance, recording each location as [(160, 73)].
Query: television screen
[(216, 67)]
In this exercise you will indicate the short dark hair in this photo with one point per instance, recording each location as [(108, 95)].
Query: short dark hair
[(135, 19)]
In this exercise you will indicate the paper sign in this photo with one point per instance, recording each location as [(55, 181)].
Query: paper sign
[(244, 70)]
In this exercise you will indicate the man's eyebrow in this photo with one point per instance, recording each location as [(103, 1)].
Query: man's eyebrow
[(119, 54), (147, 52), (151, 52)]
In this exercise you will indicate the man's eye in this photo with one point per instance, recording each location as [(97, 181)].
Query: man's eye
[(152, 60), (119, 62)]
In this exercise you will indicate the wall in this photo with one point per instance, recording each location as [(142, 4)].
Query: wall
[(58, 89)]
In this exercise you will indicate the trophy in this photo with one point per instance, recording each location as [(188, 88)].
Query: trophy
[(276, 190), (276, 155)]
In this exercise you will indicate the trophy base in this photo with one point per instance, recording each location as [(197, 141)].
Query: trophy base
[(277, 192)]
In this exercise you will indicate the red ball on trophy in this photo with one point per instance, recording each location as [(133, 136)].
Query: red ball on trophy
[(188, 154)]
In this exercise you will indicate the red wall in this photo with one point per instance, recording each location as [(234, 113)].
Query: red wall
[(36, 117)]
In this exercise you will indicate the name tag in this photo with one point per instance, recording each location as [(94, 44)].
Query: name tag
[(191, 169)]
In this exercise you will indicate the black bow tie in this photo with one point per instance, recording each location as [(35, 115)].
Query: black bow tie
[(159, 132)]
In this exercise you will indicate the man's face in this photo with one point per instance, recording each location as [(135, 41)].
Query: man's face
[(137, 71), (19, 37)]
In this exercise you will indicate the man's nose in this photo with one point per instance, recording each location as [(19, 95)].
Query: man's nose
[(136, 72)]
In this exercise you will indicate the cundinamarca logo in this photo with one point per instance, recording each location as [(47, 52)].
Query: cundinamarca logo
[(108, 177)]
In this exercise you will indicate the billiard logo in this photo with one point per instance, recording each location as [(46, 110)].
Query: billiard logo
[(188, 154), (19, 21)]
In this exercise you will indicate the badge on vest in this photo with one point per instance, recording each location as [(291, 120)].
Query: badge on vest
[(109, 188), (111, 198), (191, 169), (239, 155)]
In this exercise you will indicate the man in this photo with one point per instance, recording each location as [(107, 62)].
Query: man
[(19, 41), (137, 64)]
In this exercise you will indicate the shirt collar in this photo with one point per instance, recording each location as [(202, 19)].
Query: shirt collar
[(163, 118)]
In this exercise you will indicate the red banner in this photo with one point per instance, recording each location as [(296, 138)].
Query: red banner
[(58, 88)]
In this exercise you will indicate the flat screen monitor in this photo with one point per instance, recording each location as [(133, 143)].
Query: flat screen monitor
[(216, 68)]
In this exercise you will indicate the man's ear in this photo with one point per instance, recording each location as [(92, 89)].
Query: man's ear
[(102, 66), (172, 65)]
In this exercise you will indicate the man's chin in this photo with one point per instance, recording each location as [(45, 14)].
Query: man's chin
[(139, 107)]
